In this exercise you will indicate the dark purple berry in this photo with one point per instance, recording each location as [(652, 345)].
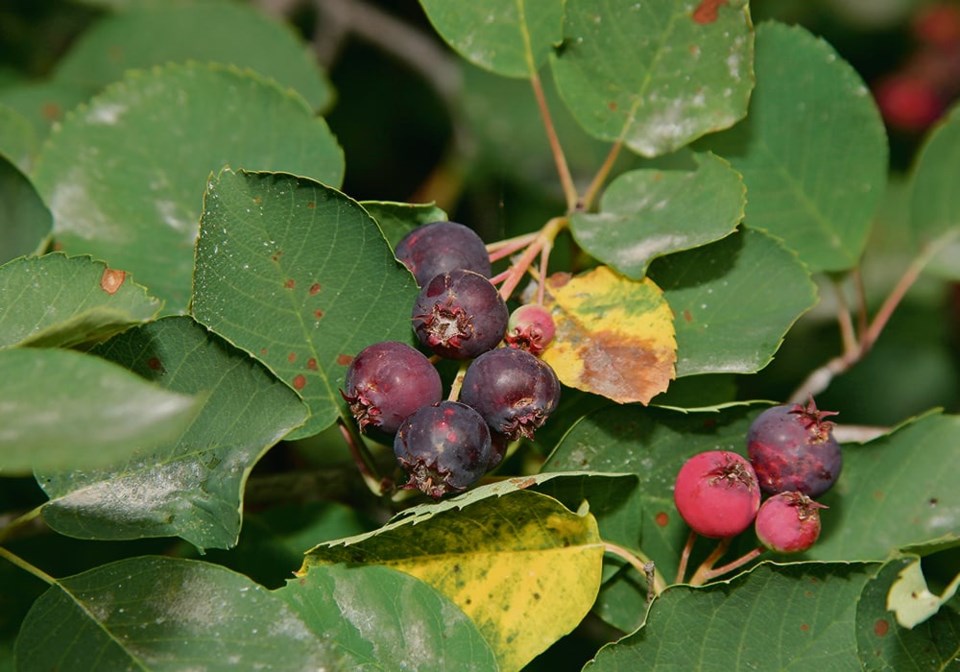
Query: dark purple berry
[(530, 328), (439, 247), (514, 391), (459, 315), (788, 522), (792, 449), (444, 448), (716, 493), (388, 381)]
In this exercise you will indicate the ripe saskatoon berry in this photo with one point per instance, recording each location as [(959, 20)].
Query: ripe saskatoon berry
[(514, 391), (388, 381), (788, 522), (530, 328), (439, 247), (792, 448), (443, 447), (459, 315), (716, 493)]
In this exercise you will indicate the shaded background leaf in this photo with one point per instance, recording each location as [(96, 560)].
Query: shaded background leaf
[(650, 213), (614, 335), (124, 175), (733, 301), (300, 276), (934, 200), (55, 300), (387, 620), (222, 32), (191, 485), (508, 37), (61, 409), (18, 139), (128, 615), (792, 617), (25, 221), (805, 185), (655, 75), (896, 491), (507, 561)]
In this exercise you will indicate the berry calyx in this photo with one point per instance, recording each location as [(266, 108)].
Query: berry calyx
[(459, 315), (791, 448), (788, 522), (514, 391), (439, 247), (444, 447), (716, 493), (530, 328), (388, 381)]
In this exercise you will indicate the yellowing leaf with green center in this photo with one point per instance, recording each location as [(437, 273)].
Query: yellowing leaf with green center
[(522, 566), (615, 335)]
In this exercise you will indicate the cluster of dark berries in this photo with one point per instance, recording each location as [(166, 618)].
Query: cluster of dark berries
[(505, 393), (793, 458)]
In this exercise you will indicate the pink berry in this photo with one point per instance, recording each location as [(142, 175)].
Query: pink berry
[(788, 522), (908, 103), (530, 328), (717, 494)]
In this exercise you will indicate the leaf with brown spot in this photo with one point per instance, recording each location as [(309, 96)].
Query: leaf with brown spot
[(615, 336)]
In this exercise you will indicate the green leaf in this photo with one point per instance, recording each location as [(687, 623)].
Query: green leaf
[(507, 562), (509, 37), (43, 103), (387, 620), (653, 444), (650, 213), (124, 175), (397, 219), (55, 300), (60, 409), (25, 221), (793, 617), (655, 75), (886, 646), (223, 32), (319, 282), (157, 613), (894, 492), (812, 151), (733, 301), (934, 201), (18, 140), (191, 485)]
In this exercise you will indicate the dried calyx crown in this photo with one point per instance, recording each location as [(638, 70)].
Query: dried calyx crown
[(813, 421)]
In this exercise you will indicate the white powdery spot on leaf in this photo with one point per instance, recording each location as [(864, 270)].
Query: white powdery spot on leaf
[(76, 211), (140, 494), (646, 249), (171, 213), (105, 114)]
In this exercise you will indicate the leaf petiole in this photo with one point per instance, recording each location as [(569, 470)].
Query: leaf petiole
[(640, 562), (27, 567)]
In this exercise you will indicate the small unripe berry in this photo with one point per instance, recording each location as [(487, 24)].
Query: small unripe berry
[(716, 493), (788, 522), (530, 328)]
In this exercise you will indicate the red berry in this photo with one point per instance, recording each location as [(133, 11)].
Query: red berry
[(788, 522), (716, 493), (908, 103), (792, 448)]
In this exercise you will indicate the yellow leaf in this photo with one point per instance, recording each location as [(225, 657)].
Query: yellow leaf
[(615, 335), (525, 568)]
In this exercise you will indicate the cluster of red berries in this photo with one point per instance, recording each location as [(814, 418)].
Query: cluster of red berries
[(504, 393), (793, 458)]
